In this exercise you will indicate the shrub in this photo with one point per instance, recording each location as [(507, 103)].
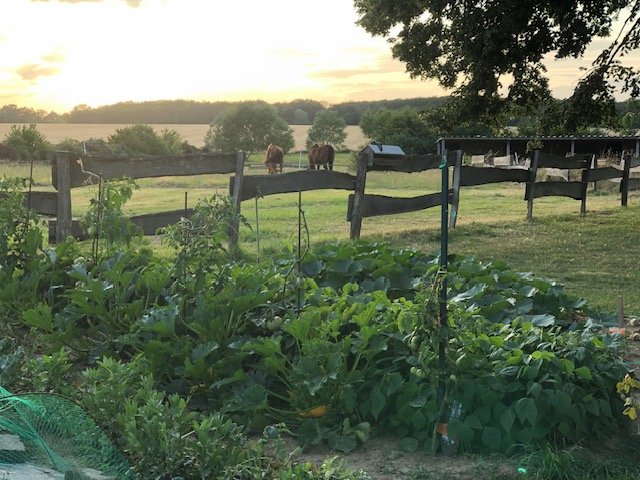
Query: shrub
[(400, 127), (142, 139), (29, 142)]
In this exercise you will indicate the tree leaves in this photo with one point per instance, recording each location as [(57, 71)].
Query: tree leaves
[(473, 47), (249, 126)]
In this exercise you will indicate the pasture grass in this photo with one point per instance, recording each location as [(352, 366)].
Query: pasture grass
[(596, 256)]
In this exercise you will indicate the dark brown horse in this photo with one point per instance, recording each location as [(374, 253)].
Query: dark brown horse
[(321, 156), (273, 159)]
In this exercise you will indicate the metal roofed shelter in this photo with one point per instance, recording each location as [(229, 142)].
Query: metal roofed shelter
[(383, 151), (380, 149), (560, 145)]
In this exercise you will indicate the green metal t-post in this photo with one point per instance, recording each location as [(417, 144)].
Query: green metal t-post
[(444, 242)]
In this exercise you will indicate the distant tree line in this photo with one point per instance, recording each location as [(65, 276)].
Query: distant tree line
[(413, 124), (296, 112), (300, 112)]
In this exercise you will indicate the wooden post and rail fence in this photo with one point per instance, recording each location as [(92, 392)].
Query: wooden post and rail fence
[(71, 170)]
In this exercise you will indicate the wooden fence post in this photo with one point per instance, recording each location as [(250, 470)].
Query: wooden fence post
[(624, 182), (585, 184), (533, 171), (63, 212), (365, 157), (236, 199), (455, 200)]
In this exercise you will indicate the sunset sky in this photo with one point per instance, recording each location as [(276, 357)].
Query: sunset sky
[(56, 54)]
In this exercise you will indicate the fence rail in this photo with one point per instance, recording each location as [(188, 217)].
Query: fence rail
[(44, 203), (86, 170), (291, 182), (362, 205), (375, 205), (72, 170), (472, 176)]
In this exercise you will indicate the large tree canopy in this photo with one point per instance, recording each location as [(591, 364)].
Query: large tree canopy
[(399, 127), (478, 47), (250, 126), (328, 128)]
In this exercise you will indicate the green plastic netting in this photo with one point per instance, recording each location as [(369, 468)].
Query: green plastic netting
[(53, 433)]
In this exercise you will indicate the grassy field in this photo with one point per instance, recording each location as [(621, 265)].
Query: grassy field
[(596, 257)]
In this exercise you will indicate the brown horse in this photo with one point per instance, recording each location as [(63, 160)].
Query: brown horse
[(321, 156), (273, 159)]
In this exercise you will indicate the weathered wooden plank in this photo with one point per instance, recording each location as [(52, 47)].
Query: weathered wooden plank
[(604, 173), (546, 160), (408, 164), (151, 222), (560, 189), (43, 203), (375, 205), (86, 170), (471, 176), (74, 231), (304, 180), (62, 178)]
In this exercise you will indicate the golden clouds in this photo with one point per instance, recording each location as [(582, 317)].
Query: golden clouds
[(32, 71)]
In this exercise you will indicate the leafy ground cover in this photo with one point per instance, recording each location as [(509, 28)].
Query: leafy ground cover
[(201, 361)]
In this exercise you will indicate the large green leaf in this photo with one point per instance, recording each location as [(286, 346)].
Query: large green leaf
[(562, 402), (545, 320), (473, 292), (583, 372), (408, 444), (378, 401), (491, 438), (161, 319), (507, 419), (526, 410), (39, 317)]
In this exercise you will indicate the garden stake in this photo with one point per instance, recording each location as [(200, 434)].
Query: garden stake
[(29, 197), (185, 204), (444, 240), (621, 311), (96, 237), (257, 228), (299, 249), (304, 254)]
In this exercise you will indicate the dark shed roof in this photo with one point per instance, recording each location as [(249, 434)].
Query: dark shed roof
[(554, 145)]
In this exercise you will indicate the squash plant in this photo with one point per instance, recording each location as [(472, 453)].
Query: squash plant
[(525, 360)]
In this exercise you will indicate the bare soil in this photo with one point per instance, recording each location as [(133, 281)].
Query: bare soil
[(381, 459)]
